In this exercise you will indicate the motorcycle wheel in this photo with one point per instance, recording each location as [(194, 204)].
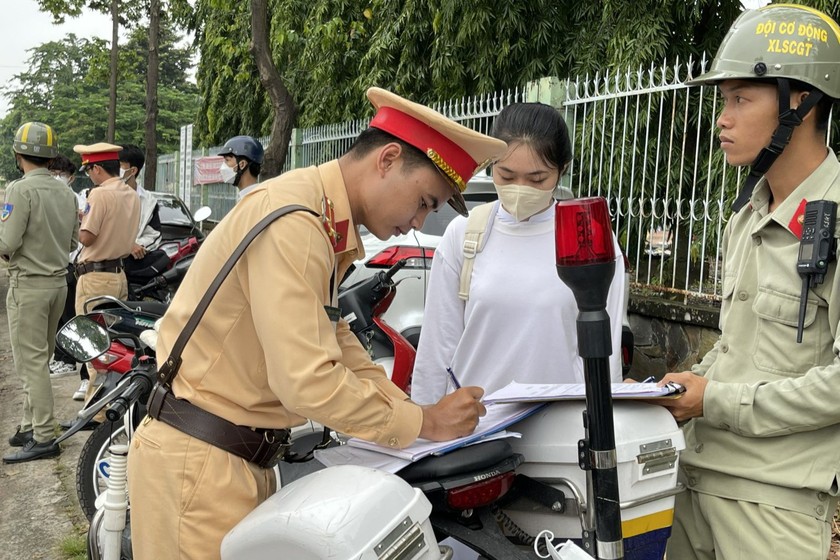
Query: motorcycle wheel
[(92, 469), (94, 550)]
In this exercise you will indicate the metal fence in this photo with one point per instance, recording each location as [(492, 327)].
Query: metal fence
[(319, 144), (220, 197), (642, 139), (648, 143)]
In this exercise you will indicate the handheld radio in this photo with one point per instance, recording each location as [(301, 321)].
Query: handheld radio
[(816, 250)]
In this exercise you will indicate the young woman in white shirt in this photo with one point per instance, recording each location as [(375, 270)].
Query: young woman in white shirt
[(519, 320)]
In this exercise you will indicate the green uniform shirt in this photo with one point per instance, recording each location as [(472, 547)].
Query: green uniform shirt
[(771, 426), (39, 227)]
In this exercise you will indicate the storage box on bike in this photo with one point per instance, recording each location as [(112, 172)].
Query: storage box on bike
[(648, 443), (342, 512)]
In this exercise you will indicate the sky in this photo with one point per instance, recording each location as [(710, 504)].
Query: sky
[(26, 27)]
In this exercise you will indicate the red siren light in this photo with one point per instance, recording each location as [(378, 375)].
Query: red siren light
[(582, 232)]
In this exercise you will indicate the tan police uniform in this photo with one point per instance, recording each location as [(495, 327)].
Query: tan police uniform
[(285, 346), (39, 226), (266, 355), (766, 452), (113, 215)]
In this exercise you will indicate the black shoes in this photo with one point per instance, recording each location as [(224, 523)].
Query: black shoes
[(20, 438), (33, 450)]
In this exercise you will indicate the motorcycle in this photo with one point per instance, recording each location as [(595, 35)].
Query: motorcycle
[(357, 512), (363, 305), (126, 324), (86, 338), (507, 499), (159, 278), (497, 500)]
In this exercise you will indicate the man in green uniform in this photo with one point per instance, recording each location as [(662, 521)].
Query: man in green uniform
[(763, 435), (39, 226)]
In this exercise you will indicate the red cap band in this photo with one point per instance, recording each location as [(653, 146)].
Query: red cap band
[(422, 136), (100, 156)]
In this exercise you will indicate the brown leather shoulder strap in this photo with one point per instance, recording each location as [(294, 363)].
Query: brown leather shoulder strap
[(169, 369)]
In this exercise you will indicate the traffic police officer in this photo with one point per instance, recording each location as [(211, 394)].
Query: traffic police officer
[(243, 156), (266, 354), (108, 230), (38, 228), (763, 443)]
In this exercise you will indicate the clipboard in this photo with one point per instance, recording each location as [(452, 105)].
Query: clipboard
[(547, 392)]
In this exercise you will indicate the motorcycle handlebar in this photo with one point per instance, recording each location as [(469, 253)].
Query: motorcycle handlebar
[(157, 282), (140, 383), (389, 275)]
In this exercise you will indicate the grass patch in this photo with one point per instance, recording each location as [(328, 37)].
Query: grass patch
[(73, 547)]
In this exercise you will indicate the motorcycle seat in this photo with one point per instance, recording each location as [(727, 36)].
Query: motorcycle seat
[(155, 308), (463, 460)]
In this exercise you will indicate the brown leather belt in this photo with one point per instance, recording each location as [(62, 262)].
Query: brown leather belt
[(263, 447), (113, 265)]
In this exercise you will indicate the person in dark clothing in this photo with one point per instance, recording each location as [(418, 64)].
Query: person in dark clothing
[(62, 363)]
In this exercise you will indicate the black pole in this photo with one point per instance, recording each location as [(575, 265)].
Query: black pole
[(590, 285)]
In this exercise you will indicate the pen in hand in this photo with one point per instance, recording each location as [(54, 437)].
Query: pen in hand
[(453, 378)]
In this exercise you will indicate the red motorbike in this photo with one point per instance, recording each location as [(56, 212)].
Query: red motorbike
[(363, 305)]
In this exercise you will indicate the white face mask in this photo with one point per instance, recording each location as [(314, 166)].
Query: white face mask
[(124, 174), (228, 173), (523, 201), (64, 180)]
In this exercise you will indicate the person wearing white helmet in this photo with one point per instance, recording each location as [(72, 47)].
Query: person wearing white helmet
[(762, 425)]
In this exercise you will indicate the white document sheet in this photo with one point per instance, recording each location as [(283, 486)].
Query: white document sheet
[(498, 417), (543, 392)]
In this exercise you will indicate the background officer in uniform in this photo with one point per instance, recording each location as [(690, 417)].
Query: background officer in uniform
[(266, 354), (108, 230), (763, 443), (241, 167), (38, 227)]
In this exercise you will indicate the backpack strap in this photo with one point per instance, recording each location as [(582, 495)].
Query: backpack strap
[(479, 224)]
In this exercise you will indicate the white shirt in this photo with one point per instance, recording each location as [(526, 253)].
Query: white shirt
[(147, 236), (242, 192), (520, 322)]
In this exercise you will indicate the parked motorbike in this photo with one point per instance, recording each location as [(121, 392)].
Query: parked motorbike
[(85, 338), (363, 305), (497, 497), (124, 323), (159, 286), (453, 495)]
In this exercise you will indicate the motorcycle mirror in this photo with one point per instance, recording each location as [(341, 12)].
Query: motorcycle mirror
[(83, 338), (202, 214)]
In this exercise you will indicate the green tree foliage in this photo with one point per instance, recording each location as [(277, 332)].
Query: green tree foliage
[(232, 98), (65, 86), (330, 51)]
